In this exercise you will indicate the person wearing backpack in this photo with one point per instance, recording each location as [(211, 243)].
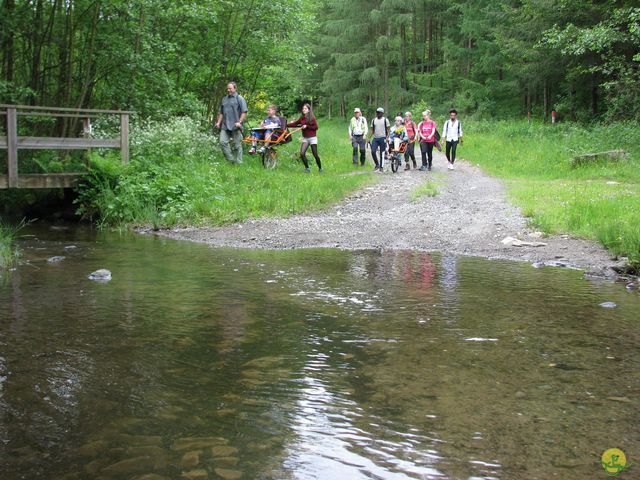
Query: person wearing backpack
[(380, 132), (452, 132)]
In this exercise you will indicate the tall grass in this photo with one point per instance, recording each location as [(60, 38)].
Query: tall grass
[(178, 176), (8, 250), (600, 200)]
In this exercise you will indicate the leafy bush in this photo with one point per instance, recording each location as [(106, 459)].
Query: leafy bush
[(171, 163)]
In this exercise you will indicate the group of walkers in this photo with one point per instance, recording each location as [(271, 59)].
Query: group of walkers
[(233, 113), (384, 138)]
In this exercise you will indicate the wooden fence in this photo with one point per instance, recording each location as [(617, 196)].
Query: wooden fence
[(13, 142)]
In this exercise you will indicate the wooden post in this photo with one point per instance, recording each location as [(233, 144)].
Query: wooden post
[(12, 146), (124, 137)]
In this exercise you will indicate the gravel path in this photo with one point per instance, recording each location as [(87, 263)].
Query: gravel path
[(470, 215)]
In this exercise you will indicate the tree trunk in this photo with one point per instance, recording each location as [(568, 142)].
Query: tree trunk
[(36, 50), (9, 59)]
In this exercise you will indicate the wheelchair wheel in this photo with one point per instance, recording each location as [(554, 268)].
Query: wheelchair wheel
[(269, 158), (395, 162)]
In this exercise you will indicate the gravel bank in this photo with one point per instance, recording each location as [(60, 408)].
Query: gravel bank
[(470, 215)]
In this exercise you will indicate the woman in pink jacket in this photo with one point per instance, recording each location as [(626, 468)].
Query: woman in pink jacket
[(427, 139)]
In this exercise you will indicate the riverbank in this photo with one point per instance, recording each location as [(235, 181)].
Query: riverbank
[(466, 212)]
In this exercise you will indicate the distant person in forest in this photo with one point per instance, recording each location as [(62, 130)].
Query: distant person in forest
[(452, 132), (268, 125), (412, 131), (427, 139), (379, 133), (309, 125), (358, 129), (233, 112)]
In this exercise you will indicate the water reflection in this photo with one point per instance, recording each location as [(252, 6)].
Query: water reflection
[(318, 364)]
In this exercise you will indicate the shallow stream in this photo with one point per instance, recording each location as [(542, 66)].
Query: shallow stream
[(195, 362)]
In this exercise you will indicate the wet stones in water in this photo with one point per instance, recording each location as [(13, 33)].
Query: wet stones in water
[(56, 259), (224, 461), (195, 474), (227, 474), (608, 305), (195, 443), (160, 455), (139, 440), (102, 275), (223, 451), (131, 466), (92, 449), (191, 459)]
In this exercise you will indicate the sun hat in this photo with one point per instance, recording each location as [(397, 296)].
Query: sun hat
[(357, 110), (380, 109)]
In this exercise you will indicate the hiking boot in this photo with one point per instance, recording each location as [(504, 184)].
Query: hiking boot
[(252, 151), (415, 165), (423, 168), (407, 167), (307, 170)]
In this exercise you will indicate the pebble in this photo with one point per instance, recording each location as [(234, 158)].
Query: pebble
[(129, 466), (608, 305), (520, 395), (102, 275), (56, 259), (194, 443), (195, 474), (619, 399), (228, 474), (223, 451), (190, 459)]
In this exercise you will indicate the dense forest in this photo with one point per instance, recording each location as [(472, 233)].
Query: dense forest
[(490, 58)]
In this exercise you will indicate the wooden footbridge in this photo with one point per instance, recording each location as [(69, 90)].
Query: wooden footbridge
[(13, 142)]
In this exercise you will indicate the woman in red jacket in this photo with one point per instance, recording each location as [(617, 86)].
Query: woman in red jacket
[(309, 127)]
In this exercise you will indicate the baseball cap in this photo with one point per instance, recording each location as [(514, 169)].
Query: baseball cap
[(356, 110), (380, 109)]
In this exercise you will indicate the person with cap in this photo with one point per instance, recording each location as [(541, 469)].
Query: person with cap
[(380, 133), (233, 112), (358, 129)]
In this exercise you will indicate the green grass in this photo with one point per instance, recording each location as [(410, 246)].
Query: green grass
[(8, 251), (427, 189), (178, 177), (599, 201)]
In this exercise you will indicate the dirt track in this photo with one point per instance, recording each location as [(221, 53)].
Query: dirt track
[(470, 215)]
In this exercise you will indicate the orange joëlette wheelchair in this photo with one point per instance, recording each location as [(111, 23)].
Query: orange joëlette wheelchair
[(268, 151)]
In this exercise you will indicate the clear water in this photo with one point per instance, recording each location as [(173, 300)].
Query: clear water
[(195, 362)]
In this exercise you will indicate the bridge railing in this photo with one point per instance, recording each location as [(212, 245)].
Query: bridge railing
[(12, 142)]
